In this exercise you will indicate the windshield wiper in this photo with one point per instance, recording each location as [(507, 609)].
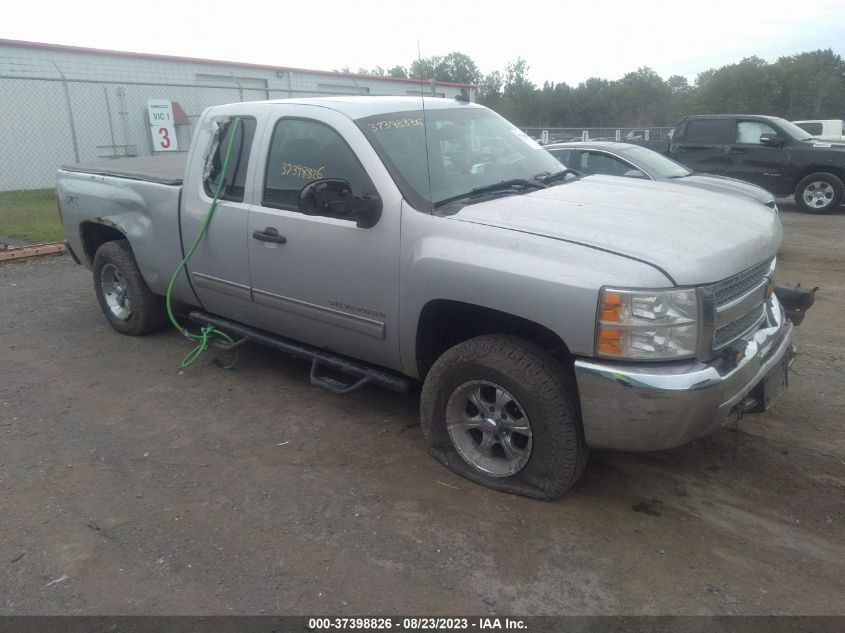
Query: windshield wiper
[(509, 184), (548, 178), (514, 185)]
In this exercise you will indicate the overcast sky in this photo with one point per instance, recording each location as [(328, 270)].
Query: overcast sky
[(563, 40)]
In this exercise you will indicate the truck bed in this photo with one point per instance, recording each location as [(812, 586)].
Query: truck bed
[(165, 169)]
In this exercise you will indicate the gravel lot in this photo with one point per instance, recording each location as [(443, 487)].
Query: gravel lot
[(129, 486)]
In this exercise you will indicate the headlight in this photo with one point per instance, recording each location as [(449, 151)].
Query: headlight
[(647, 324)]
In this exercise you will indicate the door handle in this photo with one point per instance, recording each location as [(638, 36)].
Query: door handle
[(269, 235), (739, 150)]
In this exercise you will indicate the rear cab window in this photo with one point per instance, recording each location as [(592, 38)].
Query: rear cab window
[(235, 184), (709, 131)]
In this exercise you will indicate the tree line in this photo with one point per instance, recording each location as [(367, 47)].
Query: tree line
[(809, 85)]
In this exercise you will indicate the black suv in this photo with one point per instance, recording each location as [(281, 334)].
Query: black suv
[(767, 151)]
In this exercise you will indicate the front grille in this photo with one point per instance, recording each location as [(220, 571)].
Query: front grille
[(730, 332), (733, 287), (738, 306)]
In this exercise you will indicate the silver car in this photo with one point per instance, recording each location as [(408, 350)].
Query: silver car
[(634, 161)]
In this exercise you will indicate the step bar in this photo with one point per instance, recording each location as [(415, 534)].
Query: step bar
[(361, 373)]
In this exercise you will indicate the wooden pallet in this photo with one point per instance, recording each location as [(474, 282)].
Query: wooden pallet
[(16, 253)]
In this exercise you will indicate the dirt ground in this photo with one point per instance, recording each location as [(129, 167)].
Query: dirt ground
[(128, 486)]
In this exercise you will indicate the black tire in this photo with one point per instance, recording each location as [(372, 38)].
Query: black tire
[(808, 186), (543, 388), (146, 310)]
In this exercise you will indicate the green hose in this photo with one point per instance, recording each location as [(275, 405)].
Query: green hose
[(204, 338)]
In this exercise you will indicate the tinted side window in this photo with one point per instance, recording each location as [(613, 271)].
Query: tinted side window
[(601, 163), (238, 159), (811, 128), (562, 155), (302, 151), (749, 131), (708, 131)]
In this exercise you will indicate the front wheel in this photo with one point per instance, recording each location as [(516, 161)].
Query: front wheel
[(500, 411), (126, 300), (819, 193)]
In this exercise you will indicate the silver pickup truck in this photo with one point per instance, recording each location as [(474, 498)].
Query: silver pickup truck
[(392, 242)]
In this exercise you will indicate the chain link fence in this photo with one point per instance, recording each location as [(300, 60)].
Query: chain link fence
[(51, 120), (54, 121), (624, 134)]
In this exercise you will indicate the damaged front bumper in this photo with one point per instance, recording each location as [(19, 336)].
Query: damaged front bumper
[(643, 407)]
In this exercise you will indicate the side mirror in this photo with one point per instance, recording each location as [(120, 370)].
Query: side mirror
[(772, 140), (634, 173), (334, 198)]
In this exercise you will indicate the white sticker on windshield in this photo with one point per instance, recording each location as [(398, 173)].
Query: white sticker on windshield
[(526, 139), (822, 145)]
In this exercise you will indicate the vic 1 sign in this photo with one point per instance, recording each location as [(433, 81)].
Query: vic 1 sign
[(162, 128)]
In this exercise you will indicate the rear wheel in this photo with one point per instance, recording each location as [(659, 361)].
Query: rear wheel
[(819, 193), (500, 411), (125, 299)]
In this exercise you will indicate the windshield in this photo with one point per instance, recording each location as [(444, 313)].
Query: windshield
[(657, 165), (467, 148), (793, 130)]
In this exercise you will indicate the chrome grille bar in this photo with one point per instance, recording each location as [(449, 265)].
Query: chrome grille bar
[(736, 329), (733, 307), (729, 289)]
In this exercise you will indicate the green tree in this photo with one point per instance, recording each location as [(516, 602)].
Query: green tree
[(748, 86), (812, 85), (678, 85), (455, 67), (518, 92), (460, 69), (427, 68), (801, 86), (645, 97), (378, 71), (490, 89)]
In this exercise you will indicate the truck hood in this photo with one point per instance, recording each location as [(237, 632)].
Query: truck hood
[(723, 184), (694, 236), (821, 144)]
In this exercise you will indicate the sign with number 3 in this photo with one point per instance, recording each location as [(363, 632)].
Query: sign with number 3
[(162, 128)]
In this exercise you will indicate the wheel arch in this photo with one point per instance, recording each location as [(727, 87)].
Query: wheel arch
[(95, 233), (443, 323), (837, 171)]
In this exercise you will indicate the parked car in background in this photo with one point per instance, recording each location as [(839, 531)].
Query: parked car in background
[(825, 130), (636, 161), (767, 151)]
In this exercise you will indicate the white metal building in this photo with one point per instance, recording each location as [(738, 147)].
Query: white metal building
[(64, 104)]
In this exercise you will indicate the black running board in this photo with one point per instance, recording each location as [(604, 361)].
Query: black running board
[(361, 373)]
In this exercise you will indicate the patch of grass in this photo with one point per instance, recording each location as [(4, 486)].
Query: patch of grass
[(30, 215)]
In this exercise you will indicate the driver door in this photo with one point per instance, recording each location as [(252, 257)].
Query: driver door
[(319, 279), (753, 161)]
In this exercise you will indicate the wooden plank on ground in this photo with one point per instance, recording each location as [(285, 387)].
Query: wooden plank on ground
[(29, 251)]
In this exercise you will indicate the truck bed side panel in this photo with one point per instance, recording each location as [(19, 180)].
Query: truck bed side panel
[(168, 169), (147, 213)]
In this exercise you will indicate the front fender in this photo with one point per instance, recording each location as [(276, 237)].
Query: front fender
[(549, 282)]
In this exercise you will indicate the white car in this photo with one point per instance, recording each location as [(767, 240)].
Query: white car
[(826, 130)]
